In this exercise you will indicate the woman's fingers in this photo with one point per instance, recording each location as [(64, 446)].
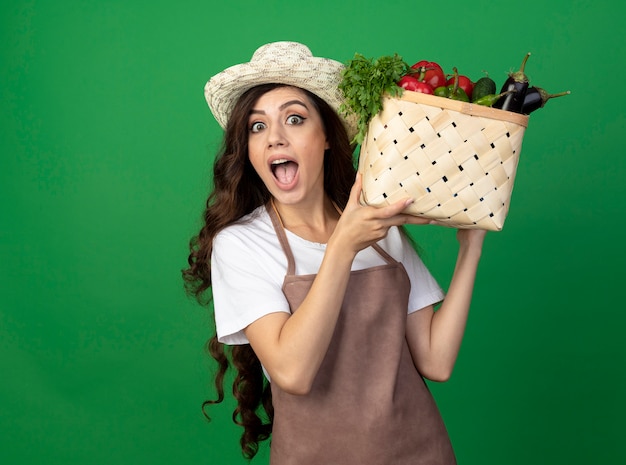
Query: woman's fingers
[(412, 219), (377, 220), (355, 192), (391, 215), (395, 208)]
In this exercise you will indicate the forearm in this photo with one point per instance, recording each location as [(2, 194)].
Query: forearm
[(306, 335), (449, 322), (292, 347)]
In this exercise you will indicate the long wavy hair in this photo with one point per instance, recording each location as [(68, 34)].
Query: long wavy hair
[(237, 191)]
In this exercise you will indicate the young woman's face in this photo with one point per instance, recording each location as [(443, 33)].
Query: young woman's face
[(286, 144)]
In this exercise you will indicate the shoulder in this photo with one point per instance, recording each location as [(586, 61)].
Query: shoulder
[(250, 233), (249, 243), (248, 269), (254, 224)]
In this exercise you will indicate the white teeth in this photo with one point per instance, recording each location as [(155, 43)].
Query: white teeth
[(280, 161)]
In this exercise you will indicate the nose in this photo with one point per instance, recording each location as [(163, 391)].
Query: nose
[(276, 136)]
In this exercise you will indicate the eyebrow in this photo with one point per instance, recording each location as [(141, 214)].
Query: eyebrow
[(282, 107)]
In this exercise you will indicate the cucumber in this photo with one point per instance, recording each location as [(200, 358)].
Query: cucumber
[(484, 86)]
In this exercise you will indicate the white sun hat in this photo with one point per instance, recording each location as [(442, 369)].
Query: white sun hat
[(289, 63)]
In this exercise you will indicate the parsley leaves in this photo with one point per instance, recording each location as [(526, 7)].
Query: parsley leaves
[(364, 82)]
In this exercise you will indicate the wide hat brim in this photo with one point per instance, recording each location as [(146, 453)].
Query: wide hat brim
[(288, 63)]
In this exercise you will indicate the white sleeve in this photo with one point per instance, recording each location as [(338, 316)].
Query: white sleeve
[(245, 286), (425, 290)]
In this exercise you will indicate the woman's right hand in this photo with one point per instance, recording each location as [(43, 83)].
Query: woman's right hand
[(361, 225)]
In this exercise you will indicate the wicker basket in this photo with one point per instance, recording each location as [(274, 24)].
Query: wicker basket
[(457, 160)]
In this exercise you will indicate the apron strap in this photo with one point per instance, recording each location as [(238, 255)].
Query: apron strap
[(282, 237), (388, 258)]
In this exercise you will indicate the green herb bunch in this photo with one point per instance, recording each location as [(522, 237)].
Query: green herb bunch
[(364, 82)]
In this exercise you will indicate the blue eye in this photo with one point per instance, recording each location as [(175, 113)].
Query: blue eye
[(256, 127)]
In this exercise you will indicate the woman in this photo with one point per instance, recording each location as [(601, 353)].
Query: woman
[(320, 295)]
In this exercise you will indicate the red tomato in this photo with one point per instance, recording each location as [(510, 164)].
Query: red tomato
[(411, 83), (465, 83), (430, 73)]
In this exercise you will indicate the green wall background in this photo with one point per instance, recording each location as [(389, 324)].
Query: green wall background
[(106, 145)]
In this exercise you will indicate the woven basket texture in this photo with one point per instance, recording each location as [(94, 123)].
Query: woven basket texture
[(457, 160)]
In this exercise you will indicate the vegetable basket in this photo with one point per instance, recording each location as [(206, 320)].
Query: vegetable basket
[(457, 160)]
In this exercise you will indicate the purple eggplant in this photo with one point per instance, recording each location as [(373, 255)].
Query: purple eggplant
[(536, 98), (517, 82)]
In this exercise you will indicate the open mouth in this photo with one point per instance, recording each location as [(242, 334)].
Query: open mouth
[(284, 170)]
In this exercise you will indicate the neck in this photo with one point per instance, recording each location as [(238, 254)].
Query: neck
[(314, 222)]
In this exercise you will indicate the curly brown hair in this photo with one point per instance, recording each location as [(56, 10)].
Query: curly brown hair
[(237, 191)]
